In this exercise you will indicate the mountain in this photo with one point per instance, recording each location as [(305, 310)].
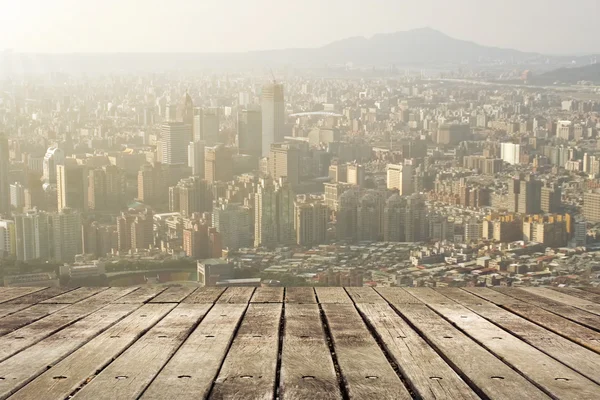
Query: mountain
[(572, 75), (421, 48)]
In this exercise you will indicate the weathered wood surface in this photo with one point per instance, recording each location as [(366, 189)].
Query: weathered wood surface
[(154, 342)]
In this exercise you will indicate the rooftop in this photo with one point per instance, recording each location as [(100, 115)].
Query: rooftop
[(156, 342)]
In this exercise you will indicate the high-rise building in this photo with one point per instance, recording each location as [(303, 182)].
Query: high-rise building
[(473, 230), (4, 170), (591, 206), (346, 215), (564, 130), (453, 133), (190, 195), (8, 239), (400, 177), (274, 215), (72, 186), (249, 132), (196, 157), (550, 230), (32, 232), (67, 234), (152, 184), (206, 125), (54, 156), (406, 220), (135, 231), (284, 162), (370, 216), (175, 137), (273, 116), (550, 200), (355, 174), (530, 193), (338, 173), (106, 188), (218, 164), (17, 196), (232, 221), (310, 223), (510, 153), (187, 110)]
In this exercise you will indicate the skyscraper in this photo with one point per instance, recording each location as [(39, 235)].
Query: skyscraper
[(370, 216), (400, 177), (8, 238), (196, 157), (274, 215), (273, 116), (54, 156), (284, 162), (206, 125), (249, 132), (4, 167), (67, 234), (32, 231), (218, 164), (72, 186), (175, 137), (530, 196), (310, 223), (355, 174), (152, 184), (191, 195), (106, 188), (232, 221)]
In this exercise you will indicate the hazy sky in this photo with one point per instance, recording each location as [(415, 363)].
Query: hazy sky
[(548, 26)]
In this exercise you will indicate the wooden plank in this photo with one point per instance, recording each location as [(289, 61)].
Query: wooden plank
[(364, 295), (569, 312), (204, 295), (74, 296), (595, 290), (576, 302), (307, 369), (10, 308), (557, 324), (28, 335), (236, 295), (66, 376), (582, 294), (191, 371), (142, 294), (427, 373), (132, 371), (554, 377), (493, 378), (582, 360), (27, 316), (12, 293), (332, 295), (250, 367), (267, 295), (366, 372), (39, 296), (300, 295), (174, 294), (19, 369), (397, 295)]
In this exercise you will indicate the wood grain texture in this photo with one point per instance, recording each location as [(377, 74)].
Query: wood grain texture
[(267, 295), (194, 367), (397, 295), (27, 364), (129, 375), (250, 368), (332, 295), (27, 316), (65, 377), (173, 294), (12, 293), (582, 294), (366, 372), (204, 295), (73, 296), (364, 295), (576, 302), (491, 376), (142, 294), (307, 369), (41, 295), (428, 374), (554, 377), (236, 295), (10, 308), (300, 295)]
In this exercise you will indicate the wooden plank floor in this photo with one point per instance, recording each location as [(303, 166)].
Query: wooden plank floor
[(152, 342)]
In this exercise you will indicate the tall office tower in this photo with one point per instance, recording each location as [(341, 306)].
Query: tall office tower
[(333, 191), (32, 231), (249, 132), (152, 184), (175, 137), (191, 195), (106, 188), (135, 231), (473, 230), (440, 228), (310, 223), (8, 239), (400, 177), (514, 188), (54, 156), (338, 173), (17, 196), (370, 216), (218, 164), (211, 119), (72, 185), (187, 110), (4, 169), (284, 162), (551, 200), (67, 234), (530, 192), (591, 206), (273, 116), (232, 221), (346, 215), (196, 157), (453, 133), (356, 174), (564, 130), (510, 153), (274, 215), (394, 219), (99, 240), (417, 222)]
